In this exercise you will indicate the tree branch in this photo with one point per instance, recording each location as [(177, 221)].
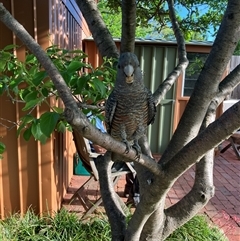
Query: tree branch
[(110, 199), (229, 83), (213, 135), (101, 34), (187, 207), (202, 191), (207, 84), (219, 130), (128, 25), (182, 55), (203, 188)]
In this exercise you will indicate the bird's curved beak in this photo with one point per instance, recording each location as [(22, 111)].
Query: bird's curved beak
[(128, 70)]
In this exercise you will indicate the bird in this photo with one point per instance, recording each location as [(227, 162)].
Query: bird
[(130, 107)]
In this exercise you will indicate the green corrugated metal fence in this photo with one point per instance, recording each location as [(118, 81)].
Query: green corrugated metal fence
[(157, 62)]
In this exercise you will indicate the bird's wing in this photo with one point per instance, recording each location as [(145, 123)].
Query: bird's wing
[(110, 110), (151, 108)]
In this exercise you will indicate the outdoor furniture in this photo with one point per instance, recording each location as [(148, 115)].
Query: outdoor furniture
[(234, 140), (87, 157)]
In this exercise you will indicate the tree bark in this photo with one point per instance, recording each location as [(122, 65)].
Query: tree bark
[(208, 82), (111, 200), (128, 26), (101, 34), (182, 55)]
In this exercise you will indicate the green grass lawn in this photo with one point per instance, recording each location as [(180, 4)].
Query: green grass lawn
[(65, 226)]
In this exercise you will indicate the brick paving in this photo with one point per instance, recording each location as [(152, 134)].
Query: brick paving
[(223, 209)]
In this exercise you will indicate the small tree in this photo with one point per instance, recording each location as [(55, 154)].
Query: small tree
[(193, 141)]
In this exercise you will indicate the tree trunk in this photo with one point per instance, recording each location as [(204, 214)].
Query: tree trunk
[(128, 25), (101, 34)]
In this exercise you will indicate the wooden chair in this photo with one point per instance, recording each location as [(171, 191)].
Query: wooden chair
[(87, 157), (234, 139), (234, 142)]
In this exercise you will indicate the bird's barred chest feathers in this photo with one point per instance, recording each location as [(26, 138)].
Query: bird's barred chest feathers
[(133, 102), (132, 112)]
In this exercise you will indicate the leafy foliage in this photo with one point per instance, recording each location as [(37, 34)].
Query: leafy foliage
[(67, 226), (197, 19), (197, 229), (237, 50), (113, 20), (2, 149), (28, 83)]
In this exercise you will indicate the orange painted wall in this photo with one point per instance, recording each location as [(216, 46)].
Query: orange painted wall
[(32, 174)]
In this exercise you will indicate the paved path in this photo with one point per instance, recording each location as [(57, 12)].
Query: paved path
[(223, 209)]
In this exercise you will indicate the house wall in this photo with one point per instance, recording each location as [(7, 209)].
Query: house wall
[(31, 174)]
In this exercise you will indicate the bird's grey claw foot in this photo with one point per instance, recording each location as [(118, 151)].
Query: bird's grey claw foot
[(127, 147), (137, 148)]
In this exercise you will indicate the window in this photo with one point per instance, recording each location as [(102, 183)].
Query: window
[(196, 61)]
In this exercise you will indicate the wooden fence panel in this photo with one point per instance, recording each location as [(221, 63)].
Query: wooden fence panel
[(66, 24), (9, 198), (31, 174)]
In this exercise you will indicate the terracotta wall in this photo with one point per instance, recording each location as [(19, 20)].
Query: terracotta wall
[(32, 174)]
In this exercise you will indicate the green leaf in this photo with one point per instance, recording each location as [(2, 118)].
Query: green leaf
[(78, 51), (2, 148), (24, 120), (58, 109), (39, 77), (69, 127), (43, 139), (45, 92), (27, 134), (36, 130), (98, 72), (23, 93), (48, 84), (81, 83), (5, 57), (10, 46), (2, 65), (32, 103), (10, 66), (61, 127), (27, 119), (31, 96), (48, 122), (37, 133), (74, 66), (65, 51), (3, 87), (30, 59), (73, 82), (15, 82), (66, 76), (100, 86), (33, 70)]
